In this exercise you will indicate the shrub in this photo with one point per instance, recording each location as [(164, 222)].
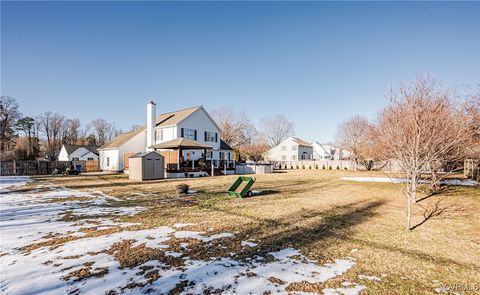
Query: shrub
[(303, 166), (330, 167), (310, 167), (297, 166), (345, 168), (338, 167), (316, 166), (323, 167)]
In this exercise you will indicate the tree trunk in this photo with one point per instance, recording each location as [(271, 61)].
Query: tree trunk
[(435, 182), (411, 196)]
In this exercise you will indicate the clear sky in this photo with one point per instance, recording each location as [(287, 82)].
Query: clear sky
[(317, 63)]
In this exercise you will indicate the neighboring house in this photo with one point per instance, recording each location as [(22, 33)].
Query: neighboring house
[(291, 149), (70, 152), (164, 132), (328, 152)]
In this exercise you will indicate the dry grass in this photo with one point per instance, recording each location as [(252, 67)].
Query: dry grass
[(324, 217)]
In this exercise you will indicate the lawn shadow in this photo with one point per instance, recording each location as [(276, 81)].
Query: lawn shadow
[(336, 223)]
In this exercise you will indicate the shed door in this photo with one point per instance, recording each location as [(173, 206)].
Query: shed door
[(149, 168), (159, 168)]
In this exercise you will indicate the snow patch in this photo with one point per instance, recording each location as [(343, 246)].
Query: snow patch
[(249, 244), (28, 218), (371, 278)]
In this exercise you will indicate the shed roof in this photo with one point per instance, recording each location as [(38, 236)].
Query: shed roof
[(183, 143), (142, 154)]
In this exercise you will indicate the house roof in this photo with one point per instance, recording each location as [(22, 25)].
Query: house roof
[(183, 143), (225, 146), (70, 148), (300, 141), (167, 119)]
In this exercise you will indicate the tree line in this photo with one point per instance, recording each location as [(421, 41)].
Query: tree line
[(425, 128), (250, 142), (41, 137)]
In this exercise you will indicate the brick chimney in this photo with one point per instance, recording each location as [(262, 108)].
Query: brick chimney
[(151, 123)]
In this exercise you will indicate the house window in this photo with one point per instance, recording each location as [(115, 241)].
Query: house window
[(294, 147), (209, 136), (284, 147), (222, 155), (284, 158), (108, 161), (89, 159), (159, 134), (294, 157), (75, 159), (189, 133)]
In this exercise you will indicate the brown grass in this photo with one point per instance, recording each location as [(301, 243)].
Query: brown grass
[(324, 217)]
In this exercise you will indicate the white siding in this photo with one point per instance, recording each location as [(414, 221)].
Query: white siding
[(82, 154), (63, 156), (109, 160), (289, 150), (201, 122), (136, 144)]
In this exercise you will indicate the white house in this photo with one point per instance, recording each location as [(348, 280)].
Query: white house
[(291, 149), (188, 134), (70, 152), (328, 152)]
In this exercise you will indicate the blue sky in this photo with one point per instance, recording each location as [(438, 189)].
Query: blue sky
[(317, 63)]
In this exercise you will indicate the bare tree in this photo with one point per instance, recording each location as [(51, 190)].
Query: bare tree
[(255, 150), (417, 128), (8, 116), (135, 127), (28, 126), (352, 136), (472, 111), (102, 131), (237, 130), (276, 129), (51, 125)]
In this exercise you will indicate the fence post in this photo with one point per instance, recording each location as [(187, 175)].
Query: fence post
[(14, 167)]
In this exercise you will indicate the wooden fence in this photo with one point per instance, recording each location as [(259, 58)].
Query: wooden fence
[(8, 168)]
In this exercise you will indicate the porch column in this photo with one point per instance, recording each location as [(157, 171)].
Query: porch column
[(193, 160), (178, 159)]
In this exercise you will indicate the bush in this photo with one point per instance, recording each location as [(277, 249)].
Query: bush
[(297, 166), (323, 167), (330, 167), (345, 168), (316, 166), (303, 166), (338, 167), (310, 167)]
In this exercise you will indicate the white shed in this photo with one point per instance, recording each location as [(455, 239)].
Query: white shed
[(146, 166)]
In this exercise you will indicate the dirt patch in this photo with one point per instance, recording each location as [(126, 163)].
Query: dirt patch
[(130, 256), (86, 272)]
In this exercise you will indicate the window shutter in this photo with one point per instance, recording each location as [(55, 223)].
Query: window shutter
[(195, 135), (205, 136), (181, 131), (216, 137)]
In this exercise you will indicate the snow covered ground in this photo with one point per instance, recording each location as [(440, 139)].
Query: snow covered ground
[(461, 182), (45, 248)]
